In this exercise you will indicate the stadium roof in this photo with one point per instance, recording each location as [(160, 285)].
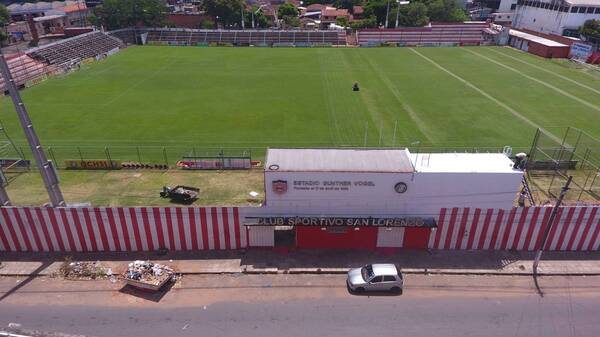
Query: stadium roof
[(339, 160), (463, 163), (584, 2), (535, 38)]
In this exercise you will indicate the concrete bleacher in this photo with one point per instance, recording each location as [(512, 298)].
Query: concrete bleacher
[(468, 33), (127, 35), (23, 69), (76, 48), (190, 37)]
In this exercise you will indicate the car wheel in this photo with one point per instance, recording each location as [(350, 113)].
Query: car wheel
[(397, 290)]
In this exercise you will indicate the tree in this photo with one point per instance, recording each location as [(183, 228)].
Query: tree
[(114, 14), (287, 9), (414, 15), (376, 9), (347, 4), (291, 21), (370, 22), (590, 29), (207, 24), (445, 11), (260, 19), (341, 21), (4, 21), (226, 12), (289, 14)]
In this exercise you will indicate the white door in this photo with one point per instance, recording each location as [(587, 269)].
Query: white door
[(390, 237), (261, 236)]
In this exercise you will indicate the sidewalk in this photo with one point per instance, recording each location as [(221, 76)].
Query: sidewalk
[(319, 261)]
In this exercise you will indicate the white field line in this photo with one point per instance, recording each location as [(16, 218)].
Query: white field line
[(547, 85), (546, 70), (142, 80), (421, 125), (486, 95)]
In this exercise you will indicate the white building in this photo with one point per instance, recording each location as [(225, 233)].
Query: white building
[(563, 17), (507, 6), (385, 182)]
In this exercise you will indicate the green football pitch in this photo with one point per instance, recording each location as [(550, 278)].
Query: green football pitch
[(184, 98)]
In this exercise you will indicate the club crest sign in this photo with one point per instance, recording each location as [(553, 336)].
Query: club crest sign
[(280, 186)]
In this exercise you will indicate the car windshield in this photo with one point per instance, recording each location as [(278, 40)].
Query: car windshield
[(367, 272)]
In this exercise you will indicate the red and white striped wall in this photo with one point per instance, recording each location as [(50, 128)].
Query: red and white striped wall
[(40, 229), (574, 229), (206, 228)]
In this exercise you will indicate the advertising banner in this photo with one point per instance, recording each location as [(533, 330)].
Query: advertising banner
[(580, 50), (93, 164), (215, 164)]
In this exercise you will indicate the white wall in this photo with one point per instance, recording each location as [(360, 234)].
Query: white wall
[(505, 5), (549, 21), (426, 194)]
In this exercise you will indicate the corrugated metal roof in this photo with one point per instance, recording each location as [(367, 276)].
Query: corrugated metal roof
[(339, 160), (584, 2), (534, 38)]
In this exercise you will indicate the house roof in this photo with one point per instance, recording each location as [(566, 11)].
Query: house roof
[(334, 12), (74, 8), (584, 2), (358, 10), (314, 7)]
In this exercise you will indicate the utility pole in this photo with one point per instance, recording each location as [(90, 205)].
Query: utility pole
[(400, 3), (387, 13), (44, 165), (242, 12), (538, 255)]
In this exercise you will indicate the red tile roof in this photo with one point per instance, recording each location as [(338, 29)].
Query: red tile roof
[(334, 12)]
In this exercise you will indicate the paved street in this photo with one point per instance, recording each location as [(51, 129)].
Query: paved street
[(307, 305)]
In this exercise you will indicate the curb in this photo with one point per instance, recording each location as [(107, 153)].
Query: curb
[(343, 271)]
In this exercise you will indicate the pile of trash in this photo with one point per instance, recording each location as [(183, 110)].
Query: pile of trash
[(84, 270), (148, 272)]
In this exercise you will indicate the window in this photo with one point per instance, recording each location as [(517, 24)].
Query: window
[(582, 9), (597, 10), (590, 10), (574, 9), (546, 5), (377, 279), (389, 278), (513, 6)]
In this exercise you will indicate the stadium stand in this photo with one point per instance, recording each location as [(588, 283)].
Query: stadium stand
[(127, 35), (76, 48), (190, 37), (23, 69), (468, 33)]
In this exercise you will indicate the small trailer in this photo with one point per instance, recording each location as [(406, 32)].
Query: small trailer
[(148, 286), (148, 276), (180, 194)]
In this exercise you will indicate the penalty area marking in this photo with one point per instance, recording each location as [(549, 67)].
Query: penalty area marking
[(547, 85), (546, 70), (485, 94)]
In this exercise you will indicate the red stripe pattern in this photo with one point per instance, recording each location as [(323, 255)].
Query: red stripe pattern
[(120, 229), (574, 229), (220, 228)]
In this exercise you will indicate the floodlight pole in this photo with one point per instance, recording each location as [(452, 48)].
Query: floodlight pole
[(44, 165), (387, 13), (538, 255), (398, 10)]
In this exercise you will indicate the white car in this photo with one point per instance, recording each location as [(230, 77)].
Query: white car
[(375, 277)]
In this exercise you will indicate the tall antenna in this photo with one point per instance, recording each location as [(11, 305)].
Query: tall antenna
[(44, 165)]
